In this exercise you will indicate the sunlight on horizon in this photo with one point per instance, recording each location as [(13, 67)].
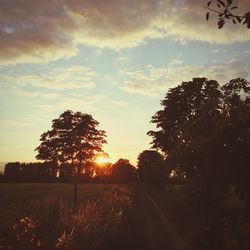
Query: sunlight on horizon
[(102, 159)]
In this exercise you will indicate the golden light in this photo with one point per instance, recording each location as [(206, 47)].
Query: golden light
[(102, 159)]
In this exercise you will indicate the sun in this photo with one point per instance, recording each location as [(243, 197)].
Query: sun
[(102, 160)]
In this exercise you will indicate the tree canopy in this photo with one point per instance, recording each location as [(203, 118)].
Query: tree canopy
[(123, 172), (204, 130), (151, 167), (75, 139)]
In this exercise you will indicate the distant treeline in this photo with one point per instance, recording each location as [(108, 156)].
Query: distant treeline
[(150, 169), (120, 172)]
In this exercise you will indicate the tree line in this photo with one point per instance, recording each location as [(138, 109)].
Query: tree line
[(120, 172)]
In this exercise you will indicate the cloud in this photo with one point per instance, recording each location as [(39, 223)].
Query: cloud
[(45, 30), (185, 21), (34, 94), (147, 82), (72, 77), (219, 50), (88, 103), (122, 59), (153, 81), (176, 62)]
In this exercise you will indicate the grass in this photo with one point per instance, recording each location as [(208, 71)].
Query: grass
[(24, 192), (39, 216)]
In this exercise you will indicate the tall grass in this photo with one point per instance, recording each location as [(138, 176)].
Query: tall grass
[(52, 225)]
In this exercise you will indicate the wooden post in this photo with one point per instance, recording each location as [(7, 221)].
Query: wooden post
[(75, 188)]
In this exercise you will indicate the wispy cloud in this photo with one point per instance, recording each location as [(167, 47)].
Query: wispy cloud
[(122, 59), (74, 101), (156, 80), (38, 31), (73, 77), (219, 50), (147, 82)]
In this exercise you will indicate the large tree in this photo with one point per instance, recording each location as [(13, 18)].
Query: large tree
[(75, 139), (203, 129)]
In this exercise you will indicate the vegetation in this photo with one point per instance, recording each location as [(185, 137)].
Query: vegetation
[(94, 225), (75, 139), (224, 10), (204, 131), (123, 172), (151, 167)]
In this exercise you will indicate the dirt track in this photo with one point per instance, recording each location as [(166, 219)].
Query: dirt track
[(160, 232)]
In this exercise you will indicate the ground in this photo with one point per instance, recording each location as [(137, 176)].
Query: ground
[(123, 217), (148, 225)]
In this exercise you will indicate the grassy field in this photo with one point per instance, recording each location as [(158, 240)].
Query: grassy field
[(39, 216), (25, 192)]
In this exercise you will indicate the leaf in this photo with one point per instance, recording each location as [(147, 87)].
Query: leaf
[(221, 23), (209, 3), (238, 19), (207, 16), (235, 7), (229, 2), (221, 3), (247, 19)]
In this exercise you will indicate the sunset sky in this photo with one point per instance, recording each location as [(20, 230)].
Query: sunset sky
[(113, 59)]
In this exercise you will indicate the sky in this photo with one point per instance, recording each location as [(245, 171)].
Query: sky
[(113, 59)]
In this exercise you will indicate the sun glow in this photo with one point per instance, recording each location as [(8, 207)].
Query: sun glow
[(102, 159)]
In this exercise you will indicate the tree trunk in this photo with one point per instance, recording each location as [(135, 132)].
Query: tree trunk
[(75, 189)]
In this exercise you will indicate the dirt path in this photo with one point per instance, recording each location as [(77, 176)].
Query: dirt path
[(161, 232)]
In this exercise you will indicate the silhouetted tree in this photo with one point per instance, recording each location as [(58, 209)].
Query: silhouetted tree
[(151, 167), (204, 131), (74, 138), (224, 10), (123, 172), (237, 116)]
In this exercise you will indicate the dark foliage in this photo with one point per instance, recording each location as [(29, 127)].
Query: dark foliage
[(224, 9), (31, 172), (122, 172), (151, 167), (75, 139), (204, 130)]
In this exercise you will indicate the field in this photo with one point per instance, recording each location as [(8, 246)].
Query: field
[(119, 216), (39, 216), (13, 193)]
